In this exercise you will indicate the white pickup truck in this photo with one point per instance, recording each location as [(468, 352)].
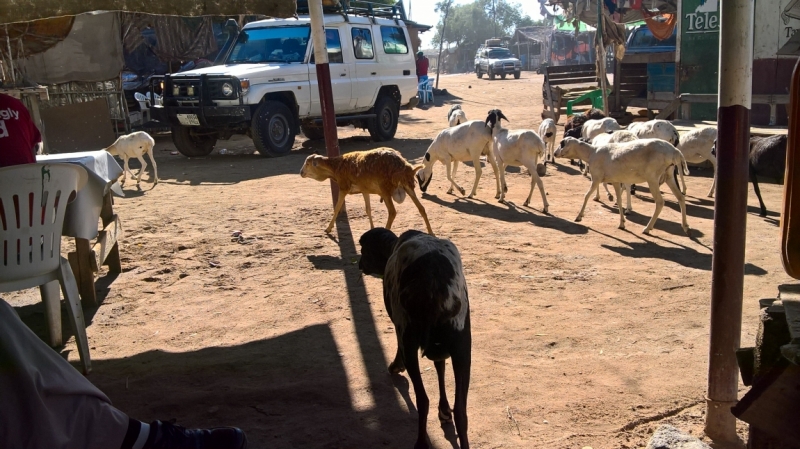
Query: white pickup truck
[(266, 86)]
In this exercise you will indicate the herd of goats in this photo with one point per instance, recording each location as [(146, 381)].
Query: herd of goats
[(425, 290), (424, 287)]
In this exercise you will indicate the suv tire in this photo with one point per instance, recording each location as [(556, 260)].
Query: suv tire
[(190, 144), (491, 73), (272, 128), (384, 126), (516, 75), (313, 132), (478, 72)]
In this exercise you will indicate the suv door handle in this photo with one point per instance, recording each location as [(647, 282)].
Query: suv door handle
[(343, 74), (373, 73)]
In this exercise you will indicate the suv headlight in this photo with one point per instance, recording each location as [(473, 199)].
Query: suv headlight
[(498, 63), (227, 89)]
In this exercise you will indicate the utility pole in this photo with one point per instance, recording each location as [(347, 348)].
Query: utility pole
[(324, 84), (601, 56), (441, 40), (730, 215), (494, 17)]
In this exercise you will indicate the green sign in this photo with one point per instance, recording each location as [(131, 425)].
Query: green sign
[(699, 56)]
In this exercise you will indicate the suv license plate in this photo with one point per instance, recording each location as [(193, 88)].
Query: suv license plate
[(188, 119)]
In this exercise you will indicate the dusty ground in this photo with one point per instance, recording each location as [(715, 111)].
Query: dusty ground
[(584, 335)]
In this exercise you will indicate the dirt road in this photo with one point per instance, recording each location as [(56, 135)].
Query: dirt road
[(584, 335)]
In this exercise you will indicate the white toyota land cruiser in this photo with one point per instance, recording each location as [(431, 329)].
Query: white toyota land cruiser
[(266, 86)]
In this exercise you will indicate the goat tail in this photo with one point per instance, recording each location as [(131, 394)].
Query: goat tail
[(683, 167), (417, 168)]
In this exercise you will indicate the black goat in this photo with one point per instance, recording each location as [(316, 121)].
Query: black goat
[(425, 294), (768, 160), (576, 132)]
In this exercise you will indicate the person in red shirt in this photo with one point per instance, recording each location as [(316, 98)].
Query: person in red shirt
[(19, 136), (422, 67)]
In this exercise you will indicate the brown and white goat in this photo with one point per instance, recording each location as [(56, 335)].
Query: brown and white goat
[(425, 294), (382, 171)]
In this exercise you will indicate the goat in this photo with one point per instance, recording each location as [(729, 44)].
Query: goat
[(592, 128), (465, 142), (697, 146), (517, 148), (577, 120), (615, 137), (767, 159), (382, 171), (656, 129), (425, 294), (630, 162), (456, 116), (136, 145), (547, 132)]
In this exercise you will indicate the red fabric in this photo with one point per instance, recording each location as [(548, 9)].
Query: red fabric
[(422, 66), (18, 134)]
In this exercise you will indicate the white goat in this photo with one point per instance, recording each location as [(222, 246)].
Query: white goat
[(615, 137), (547, 132), (456, 115), (655, 129), (519, 148), (630, 162), (382, 171), (594, 127), (697, 146), (465, 142), (136, 145)]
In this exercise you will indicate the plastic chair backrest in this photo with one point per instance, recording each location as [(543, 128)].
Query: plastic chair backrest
[(33, 199)]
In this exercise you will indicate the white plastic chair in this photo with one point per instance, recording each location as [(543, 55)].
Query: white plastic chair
[(429, 88), (425, 90), (33, 199), (144, 105)]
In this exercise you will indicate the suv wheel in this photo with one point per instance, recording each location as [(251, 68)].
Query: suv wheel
[(491, 73), (478, 72), (272, 127), (384, 125), (313, 132), (192, 141), (516, 75)]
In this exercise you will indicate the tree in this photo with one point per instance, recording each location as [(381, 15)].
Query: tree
[(469, 25)]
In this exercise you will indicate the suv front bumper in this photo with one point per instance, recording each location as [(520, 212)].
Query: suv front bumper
[(207, 116), (506, 69)]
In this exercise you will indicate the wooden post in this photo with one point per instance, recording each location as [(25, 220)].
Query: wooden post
[(324, 84), (730, 215), (601, 56)]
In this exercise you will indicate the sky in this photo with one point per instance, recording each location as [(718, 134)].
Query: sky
[(422, 11)]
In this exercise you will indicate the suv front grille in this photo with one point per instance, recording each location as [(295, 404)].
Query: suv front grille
[(189, 89)]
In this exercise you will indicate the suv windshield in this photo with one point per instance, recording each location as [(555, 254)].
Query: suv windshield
[(274, 44), (499, 53)]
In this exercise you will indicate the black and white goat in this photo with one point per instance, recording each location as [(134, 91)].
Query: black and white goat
[(425, 294)]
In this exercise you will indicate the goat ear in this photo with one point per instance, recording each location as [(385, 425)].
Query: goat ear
[(314, 162)]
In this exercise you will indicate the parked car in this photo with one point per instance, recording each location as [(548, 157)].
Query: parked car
[(266, 86), (495, 61)]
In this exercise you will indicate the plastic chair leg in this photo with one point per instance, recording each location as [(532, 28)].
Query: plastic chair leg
[(51, 297), (70, 288)]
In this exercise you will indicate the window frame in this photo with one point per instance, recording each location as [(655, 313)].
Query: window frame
[(371, 42)]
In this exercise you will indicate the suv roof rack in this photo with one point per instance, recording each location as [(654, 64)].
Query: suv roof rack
[(358, 8)]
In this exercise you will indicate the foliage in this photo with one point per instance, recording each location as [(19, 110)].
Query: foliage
[(469, 25), (19, 10)]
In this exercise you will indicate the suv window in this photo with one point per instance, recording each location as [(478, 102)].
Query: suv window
[(334, 44), (394, 41), (643, 37), (274, 44), (362, 43), (499, 53)]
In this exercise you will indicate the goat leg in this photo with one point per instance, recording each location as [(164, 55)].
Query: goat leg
[(392, 211), (155, 167), (445, 413), (621, 209), (339, 204), (369, 209), (450, 178), (141, 170), (659, 200), (462, 361), (673, 185), (713, 161), (410, 349), (413, 195), (586, 197), (754, 180)]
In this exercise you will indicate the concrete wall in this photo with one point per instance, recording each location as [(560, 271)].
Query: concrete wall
[(772, 73)]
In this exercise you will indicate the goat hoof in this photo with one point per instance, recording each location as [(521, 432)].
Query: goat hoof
[(525, 204), (622, 226), (445, 415), (328, 231), (578, 219), (463, 192), (646, 231), (544, 210), (396, 367), (627, 211), (688, 232)]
